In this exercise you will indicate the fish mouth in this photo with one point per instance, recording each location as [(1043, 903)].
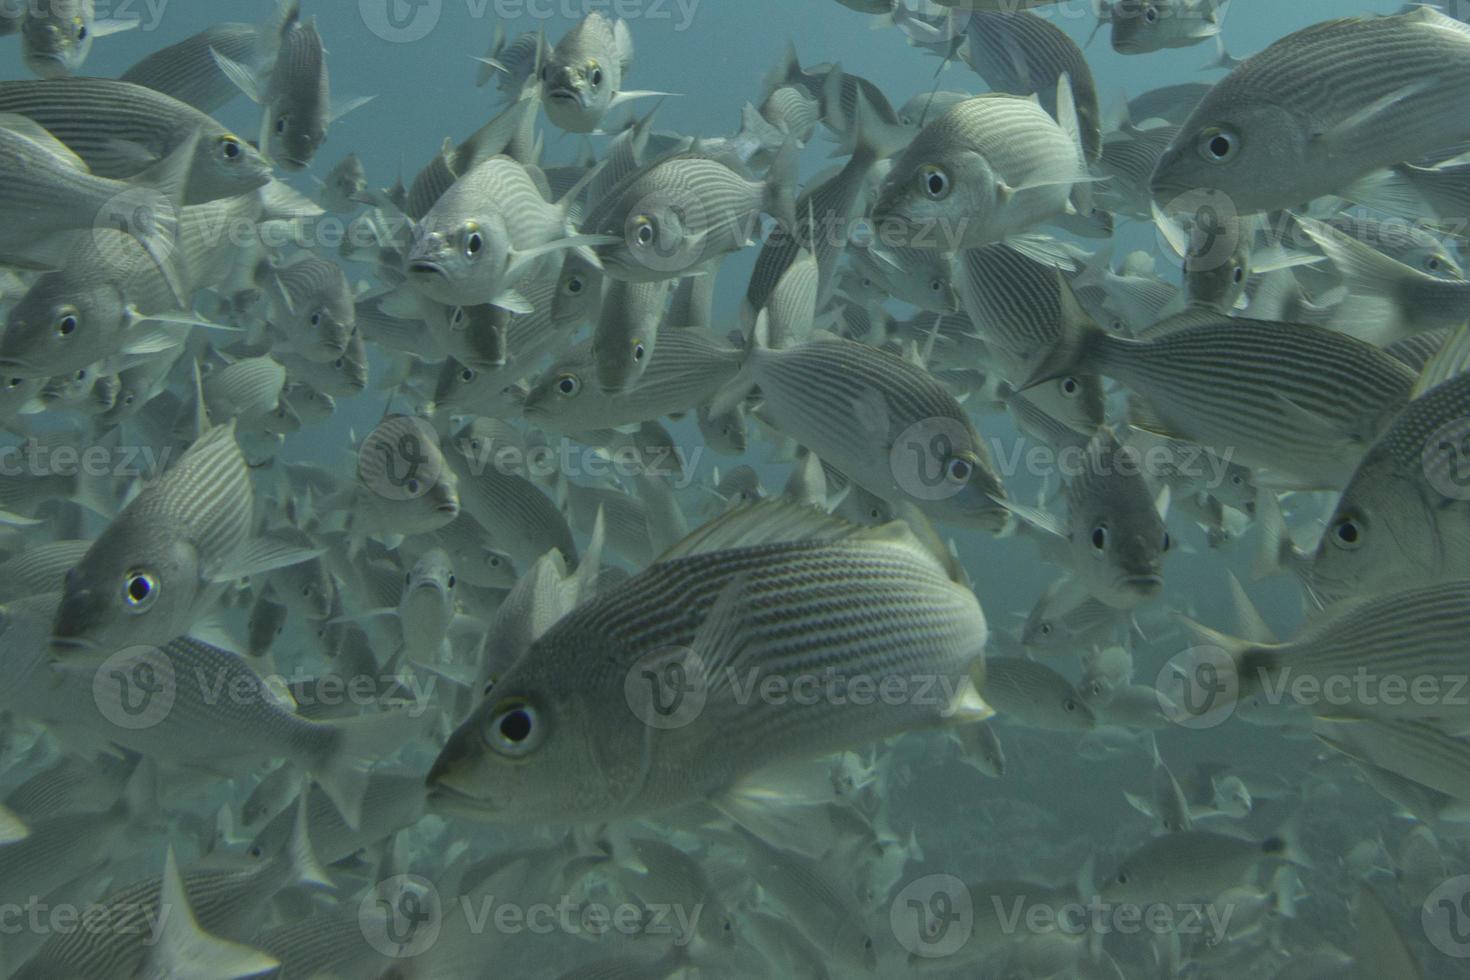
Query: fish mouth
[(452, 509), (1144, 585), (423, 267), (448, 801), (73, 648), (562, 94)]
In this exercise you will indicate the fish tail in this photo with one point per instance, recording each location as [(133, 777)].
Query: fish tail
[(1079, 343), (358, 742)]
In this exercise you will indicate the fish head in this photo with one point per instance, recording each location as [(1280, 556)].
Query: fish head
[(1249, 149), (562, 400), (522, 756), (460, 262), (432, 575), (1139, 26), (225, 166), (323, 329), (295, 137), (937, 196), (1075, 400), (137, 584), (57, 37), (660, 234), (578, 292), (62, 324), (918, 276), (1384, 534), (578, 93), (1118, 542)]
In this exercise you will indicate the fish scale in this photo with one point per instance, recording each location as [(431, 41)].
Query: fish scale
[(187, 72)]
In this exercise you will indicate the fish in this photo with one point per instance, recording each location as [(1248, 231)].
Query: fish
[(490, 230), (1114, 540), (56, 37), (1191, 864), (1401, 517), (313, 309), (163, 562), (295, 98), (624, 341), (345, 186), (536, 747), (1316, 121), (582, 77), (1145, 26), (685, 209), (989, 168), (120, 130), (1338, 392), (187, 70), (1030, 693)]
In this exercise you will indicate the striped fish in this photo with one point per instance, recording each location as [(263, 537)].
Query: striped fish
[(314, 312), (626, 336), (1023, 54), (1129, 158), (686, 371), (120, 130), (991, 167), (1033, 694), (884, 422), (518, 517), (1412, 748), (1346, 96), (188, 72), (166, 558), (1303, 402), (247, 390), (1399, 654), (769, 594), (1403, 518), (1171, 103), (489, 231)]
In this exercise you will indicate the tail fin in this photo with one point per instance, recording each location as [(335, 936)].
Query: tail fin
[(183, 951), (361, 741)]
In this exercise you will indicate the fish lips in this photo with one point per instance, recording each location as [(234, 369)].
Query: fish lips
[(1148, 584), (69, 639)]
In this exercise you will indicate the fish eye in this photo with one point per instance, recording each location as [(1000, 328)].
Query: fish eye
[(1045, 629), (67, 325), (569, 385), (1217, 145), (644, 232), (494, 561), (473, 244), (545, 72), (638, 351), (1150, 14), (514, 729), (408, 578), (596, 77), (468, 374), (339, 362), (306, 591), (960, 470), (1168, 541), (1070, 386), (1100, 537), (14, 382), (281, 124), (81, 27), (1432, 264), (1347, 533), (230, 147), (256, 851), (140, 589), (451, 581), (574, 285), (1122, 878), (1069, 705), (412, 486), (934, 181), (936, 285), (316, 319)]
